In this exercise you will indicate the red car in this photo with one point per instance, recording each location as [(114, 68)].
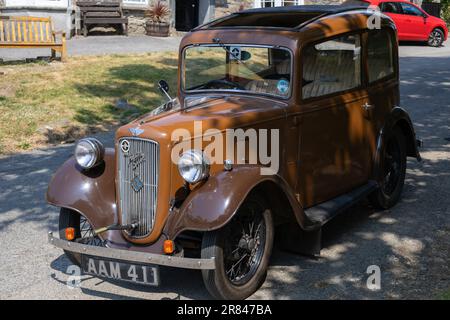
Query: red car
[(412, 22)]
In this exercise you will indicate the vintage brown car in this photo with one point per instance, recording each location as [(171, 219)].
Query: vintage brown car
[(321, 81)]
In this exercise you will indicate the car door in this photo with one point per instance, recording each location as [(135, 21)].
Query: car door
[(334, 153), (394, 11), (413, 21)]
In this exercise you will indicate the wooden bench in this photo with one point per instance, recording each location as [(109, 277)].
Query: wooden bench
[(31, 32), (102, 13)]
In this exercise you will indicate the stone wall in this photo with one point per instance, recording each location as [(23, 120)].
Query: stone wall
[(136, 20), (226, 7)]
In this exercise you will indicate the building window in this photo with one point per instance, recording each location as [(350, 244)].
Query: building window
[(141, 2), (277, 3)]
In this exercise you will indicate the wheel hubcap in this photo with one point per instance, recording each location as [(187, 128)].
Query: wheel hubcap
[(392, 167), (87, 234), (435, 38)]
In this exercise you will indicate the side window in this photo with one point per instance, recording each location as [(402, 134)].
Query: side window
[(410, 10), (390, 7), (379, 55), (331, 66)]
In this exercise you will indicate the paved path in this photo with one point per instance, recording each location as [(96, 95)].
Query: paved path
[(410, 243), (99, 45)]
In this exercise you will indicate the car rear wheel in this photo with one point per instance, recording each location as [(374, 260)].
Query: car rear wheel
[(436, 38), (84, 233), (393, 170), (241, 250)]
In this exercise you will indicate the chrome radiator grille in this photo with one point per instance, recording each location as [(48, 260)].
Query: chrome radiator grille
[(138, 163)]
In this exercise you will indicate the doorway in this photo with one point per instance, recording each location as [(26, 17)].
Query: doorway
[(186, 14)]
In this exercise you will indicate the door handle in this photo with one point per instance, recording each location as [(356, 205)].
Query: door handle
[(366, 106)]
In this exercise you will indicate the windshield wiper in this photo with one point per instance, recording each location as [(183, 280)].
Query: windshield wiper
[(224, 47)]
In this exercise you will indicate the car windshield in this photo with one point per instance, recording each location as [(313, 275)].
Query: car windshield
[(262, 70)]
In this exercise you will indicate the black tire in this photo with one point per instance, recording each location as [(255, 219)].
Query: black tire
[(70, 219), (436, 38), (393, 170), (218, 244)]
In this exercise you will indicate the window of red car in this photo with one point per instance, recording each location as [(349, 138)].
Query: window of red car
[(411, 10), (390, 7)]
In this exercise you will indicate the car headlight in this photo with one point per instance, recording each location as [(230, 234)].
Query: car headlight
[(193, 166), (89, 152)]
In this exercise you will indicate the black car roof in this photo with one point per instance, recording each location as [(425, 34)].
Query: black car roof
[(289, 17)]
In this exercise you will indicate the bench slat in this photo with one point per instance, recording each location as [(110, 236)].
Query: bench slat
[(13, 32), (2, 36), (19, 32), (102, 14), (105, 20), (36, 35)]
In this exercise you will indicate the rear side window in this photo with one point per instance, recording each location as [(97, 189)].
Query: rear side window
[(390, 7), (332, 66), (379, 55)]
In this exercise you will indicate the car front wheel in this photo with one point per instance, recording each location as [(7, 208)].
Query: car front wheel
[(84, 233), (241, 250), (436, 38)]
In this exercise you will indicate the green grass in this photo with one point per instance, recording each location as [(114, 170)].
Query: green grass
[(445, 295), (77, 97)]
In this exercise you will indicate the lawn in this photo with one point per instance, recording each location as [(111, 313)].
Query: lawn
[(445, 295), (45, 103)]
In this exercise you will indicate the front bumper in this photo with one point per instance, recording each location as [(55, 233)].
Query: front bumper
[(132, 256)]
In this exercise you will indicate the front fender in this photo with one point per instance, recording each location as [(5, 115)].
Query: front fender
[(90, 193), (213, 205)]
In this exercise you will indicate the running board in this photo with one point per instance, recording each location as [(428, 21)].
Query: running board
[(324, 212)]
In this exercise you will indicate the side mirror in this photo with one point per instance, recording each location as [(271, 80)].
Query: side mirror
[(164, 88)]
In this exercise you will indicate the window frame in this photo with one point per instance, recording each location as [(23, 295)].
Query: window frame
[(363, 75), (394, 74)]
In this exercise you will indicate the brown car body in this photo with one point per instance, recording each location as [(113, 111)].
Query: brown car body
[(329, 145)]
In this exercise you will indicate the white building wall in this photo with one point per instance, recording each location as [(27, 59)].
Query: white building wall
[(38, 3)]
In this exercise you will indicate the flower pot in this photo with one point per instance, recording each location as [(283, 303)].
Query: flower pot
[(156, 29)]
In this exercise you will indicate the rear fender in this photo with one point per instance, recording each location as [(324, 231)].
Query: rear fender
[(90, 193), (397, 118)]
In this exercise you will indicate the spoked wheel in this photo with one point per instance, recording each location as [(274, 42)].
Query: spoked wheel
[(242, 251), (436, 38), (393, 170), (84, 233)]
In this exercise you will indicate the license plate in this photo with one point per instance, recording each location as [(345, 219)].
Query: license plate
[(120, 270)]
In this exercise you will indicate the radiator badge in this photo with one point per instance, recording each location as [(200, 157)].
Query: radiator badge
[(125, 146), (136, 131), (137, 184)]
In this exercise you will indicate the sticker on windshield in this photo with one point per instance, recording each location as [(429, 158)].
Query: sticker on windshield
[(283, 86), (235, 53)]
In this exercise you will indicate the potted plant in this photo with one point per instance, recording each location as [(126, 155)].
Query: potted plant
[(157, 25)]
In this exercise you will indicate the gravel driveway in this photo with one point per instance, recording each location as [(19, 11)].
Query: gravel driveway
[(410, 243)]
